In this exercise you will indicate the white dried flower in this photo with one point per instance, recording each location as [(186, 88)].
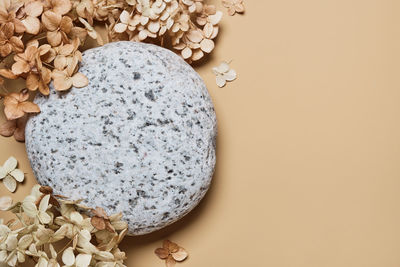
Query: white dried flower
[(224, 73), (10, 174), (38, 213)]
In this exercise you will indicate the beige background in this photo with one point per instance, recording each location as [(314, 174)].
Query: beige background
[(308, 169)]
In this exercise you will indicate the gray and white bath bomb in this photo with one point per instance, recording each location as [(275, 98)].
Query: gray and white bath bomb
[(139, 139)]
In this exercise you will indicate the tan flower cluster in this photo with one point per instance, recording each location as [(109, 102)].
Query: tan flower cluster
[(40, 40), (45, 222), (188, 25)]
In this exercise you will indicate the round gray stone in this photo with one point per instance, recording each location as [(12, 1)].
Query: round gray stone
[(139, 139)]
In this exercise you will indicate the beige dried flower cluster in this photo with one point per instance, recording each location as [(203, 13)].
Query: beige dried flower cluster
[(45, 222), (40, 40), (189, 26)]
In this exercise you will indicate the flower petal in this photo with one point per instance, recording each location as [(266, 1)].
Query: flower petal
[(224, 67), (207, 45), (29, 206), (44, 203), (54, 38), (34, 8), (25, 241), (10, 183), (29, 107), (44, 217), (32, 25), (5, 202), (7, 129), (83, 260), (51, 20), (180, 255), (170, 262), (79, 80), (220, 81), (230, 75), (18, 175), (32, 81), (68, 257), (120, 27), (162, 253), (10, 164), (61, 7)]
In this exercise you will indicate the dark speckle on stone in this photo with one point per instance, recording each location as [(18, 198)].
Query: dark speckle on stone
[(136, 75), (150, 95)]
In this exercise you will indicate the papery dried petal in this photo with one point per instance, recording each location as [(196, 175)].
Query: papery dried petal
[(51, 20), (8, 127), (170, 262), (162, 253), (79, 80), (19, 133), (10, 183), (5, 203), (83, 260), (34, 8), (68, 257), (18, 175), (180, 255)]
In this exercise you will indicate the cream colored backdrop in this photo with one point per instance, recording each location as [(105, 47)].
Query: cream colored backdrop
[(308, 171)]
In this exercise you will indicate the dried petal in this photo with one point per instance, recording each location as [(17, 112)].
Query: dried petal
[(170, 262), (32, 25), (5, 203), (68, 257), (79, 80), (207, 45), (10, 164), (51, 20), (98, 223), (7, 128), (83, 260), (220, 81), (10, 183), (180, 255), (18, 175), (162, 253), (34, 8), (61, 7)]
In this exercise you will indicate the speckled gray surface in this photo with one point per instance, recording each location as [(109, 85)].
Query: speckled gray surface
[(139, 139)]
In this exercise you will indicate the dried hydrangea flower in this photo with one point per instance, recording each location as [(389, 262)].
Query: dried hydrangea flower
[(224, 73), (16, 105), (10, 175), (40, 214), (234, 6), (171, 253), (37, 228), (8, 42)]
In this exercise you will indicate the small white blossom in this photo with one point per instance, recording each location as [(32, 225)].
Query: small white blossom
[(223, 74), (41, 214), (10, 174)]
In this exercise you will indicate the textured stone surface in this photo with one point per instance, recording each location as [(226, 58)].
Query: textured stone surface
[(139, 139)]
